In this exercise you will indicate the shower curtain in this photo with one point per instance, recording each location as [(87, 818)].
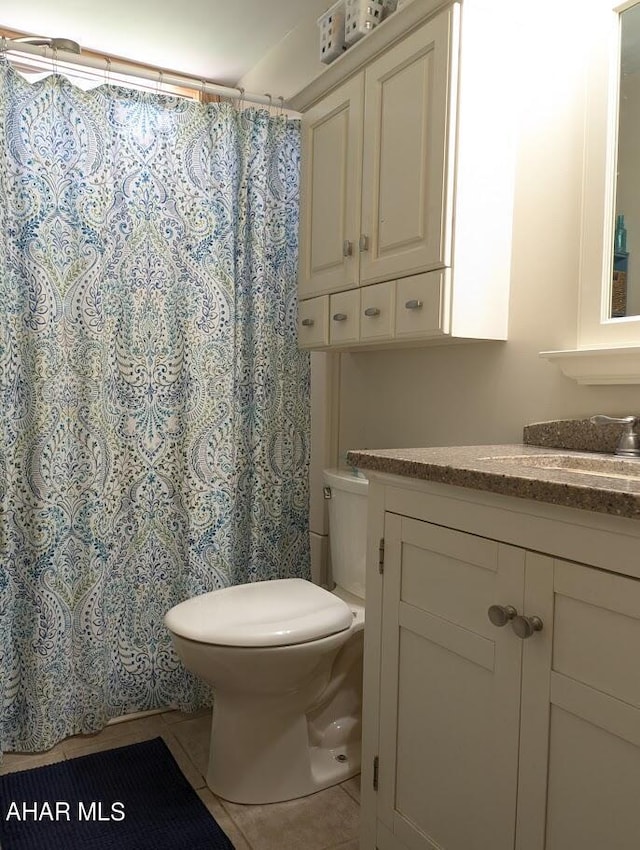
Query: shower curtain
[(154, 406)]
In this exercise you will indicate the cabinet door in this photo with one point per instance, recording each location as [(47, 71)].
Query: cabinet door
[(579, 781), (330, 192), (407, 176), (450, 690)]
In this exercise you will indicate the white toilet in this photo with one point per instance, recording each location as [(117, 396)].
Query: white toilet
[(285, 660)]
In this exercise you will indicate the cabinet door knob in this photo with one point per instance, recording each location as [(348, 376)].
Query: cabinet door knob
[(307, 323), (339, 317), (500, 615), (363, 244), (524, 627), (347, 248), (414, 304), (372, 311)]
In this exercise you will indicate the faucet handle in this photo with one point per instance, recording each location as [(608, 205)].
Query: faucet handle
[(601, 419), (629, 443)]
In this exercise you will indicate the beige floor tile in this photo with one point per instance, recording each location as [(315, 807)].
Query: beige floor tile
[(175, 716), (350, 845), (213, 804), (193, 776), (13, 762), (352, 787), (194, 736), (118, 735), (317, 822)]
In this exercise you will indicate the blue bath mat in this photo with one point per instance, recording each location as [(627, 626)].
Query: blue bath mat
[(130, 798)]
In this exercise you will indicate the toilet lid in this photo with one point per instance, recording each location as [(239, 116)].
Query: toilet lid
[(282, 612)]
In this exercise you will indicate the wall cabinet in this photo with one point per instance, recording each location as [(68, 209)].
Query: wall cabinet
[(482, 738), (390, 188)]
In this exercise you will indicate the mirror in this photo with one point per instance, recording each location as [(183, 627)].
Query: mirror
[(625, 287), (607, 342)]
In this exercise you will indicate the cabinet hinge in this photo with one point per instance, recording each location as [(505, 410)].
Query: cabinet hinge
[(376, 763), (381, 556)]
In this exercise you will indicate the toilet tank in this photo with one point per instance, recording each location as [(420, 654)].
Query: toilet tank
[(347, 527)]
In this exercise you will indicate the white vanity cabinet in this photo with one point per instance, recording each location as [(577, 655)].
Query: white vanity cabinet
[(407, 172), (476, 738)]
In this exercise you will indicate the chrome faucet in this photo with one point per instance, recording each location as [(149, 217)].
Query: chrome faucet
[(629, 443)]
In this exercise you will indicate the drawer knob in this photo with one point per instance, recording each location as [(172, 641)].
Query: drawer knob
[(372, 311), (524, 627), (413, 304), (363, 244), (500, 615), (347, 248), (339, 317), (308, 323)]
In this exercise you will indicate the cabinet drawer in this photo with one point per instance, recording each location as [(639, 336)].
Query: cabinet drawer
[(344, 323), (419, 305), (313, 322), (377, 310)]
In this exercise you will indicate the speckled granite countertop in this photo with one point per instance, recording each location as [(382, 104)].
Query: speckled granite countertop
[(561, 476)]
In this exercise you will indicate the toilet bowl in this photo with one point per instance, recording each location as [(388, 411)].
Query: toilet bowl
[(284, 658)]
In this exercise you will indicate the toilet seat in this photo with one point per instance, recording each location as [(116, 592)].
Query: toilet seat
[(282, 612)]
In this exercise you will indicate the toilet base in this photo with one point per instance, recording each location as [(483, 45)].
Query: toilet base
[(324, 771), (271, 761)]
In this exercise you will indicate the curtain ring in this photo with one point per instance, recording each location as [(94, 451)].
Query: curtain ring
[(240, 99), (202, 91), (281, 99), (159, 82), (107, 71), (266, 94), (54, 59)]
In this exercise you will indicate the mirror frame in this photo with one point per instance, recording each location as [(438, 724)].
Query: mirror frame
[(595, 326)]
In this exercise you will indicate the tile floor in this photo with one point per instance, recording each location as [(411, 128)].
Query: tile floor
[(327, 820)]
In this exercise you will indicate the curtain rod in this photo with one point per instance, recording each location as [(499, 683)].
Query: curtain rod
[(154, 75)]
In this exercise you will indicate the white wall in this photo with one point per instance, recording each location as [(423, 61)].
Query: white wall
[(486, 392), (324, 452), (293, 62)]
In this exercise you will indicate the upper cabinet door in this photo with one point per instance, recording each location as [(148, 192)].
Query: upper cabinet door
[(330, 191), (409, 132)]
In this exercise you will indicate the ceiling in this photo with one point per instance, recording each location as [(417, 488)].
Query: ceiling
[(218, 41)]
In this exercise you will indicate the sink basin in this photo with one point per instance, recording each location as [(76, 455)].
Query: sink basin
[(607, 467)]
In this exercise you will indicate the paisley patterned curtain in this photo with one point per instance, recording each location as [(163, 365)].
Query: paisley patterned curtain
[(154, 406)]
